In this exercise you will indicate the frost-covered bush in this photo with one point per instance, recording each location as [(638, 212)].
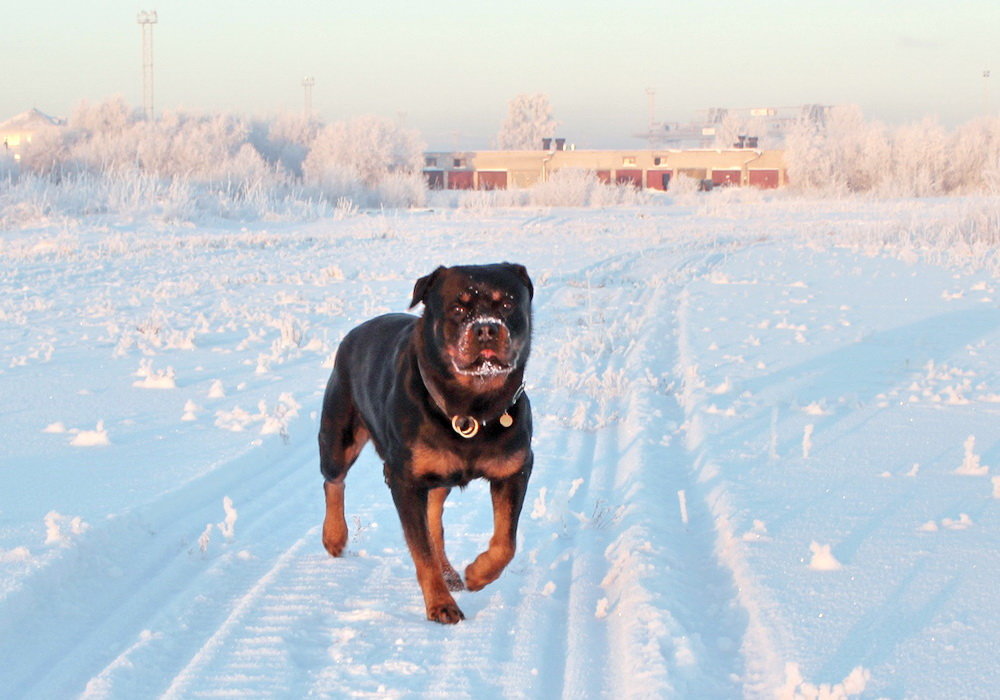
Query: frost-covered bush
[(403, 190), (31, 199), (963, 234), (111, 139), (685, 186), (365, 157), (573, 187), (110, 159), (567, 187)]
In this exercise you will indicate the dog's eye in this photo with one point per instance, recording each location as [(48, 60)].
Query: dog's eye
[(457, 310), (507, 304)]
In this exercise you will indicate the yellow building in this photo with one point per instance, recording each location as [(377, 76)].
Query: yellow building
[(640, 167)]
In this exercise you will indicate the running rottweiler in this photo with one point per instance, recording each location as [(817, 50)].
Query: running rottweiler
[(441, 396)]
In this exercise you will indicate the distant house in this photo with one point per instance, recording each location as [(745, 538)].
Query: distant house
[(17, 132), (642, 168)]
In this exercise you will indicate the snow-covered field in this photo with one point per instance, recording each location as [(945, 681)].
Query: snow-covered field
[(767, 457)]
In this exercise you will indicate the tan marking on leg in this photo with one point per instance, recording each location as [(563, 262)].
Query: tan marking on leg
[(412, 504), (488, 566), (439, 603), (435, 526), (334, 524)]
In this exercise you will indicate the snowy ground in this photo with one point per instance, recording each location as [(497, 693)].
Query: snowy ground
[(767, 449)]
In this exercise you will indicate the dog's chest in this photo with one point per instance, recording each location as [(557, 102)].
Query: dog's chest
[(448, 467)]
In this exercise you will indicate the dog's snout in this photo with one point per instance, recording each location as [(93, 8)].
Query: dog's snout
[(486, 331)]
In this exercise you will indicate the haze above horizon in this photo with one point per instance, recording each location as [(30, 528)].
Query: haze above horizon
[(449, 68)]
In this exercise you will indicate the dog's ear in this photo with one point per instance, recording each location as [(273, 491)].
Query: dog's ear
[(424, 285), (522, 272)]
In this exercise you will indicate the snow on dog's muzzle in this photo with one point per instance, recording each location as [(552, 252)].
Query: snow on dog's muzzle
[(484, 347)]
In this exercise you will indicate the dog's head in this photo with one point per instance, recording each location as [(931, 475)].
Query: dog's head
[(477, 321)]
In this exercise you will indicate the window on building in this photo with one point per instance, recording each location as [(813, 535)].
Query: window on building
[(459, 163), (628, 160), (430, 162)]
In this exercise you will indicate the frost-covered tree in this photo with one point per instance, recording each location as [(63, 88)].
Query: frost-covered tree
[(974, 163), (919, 160), (860, 150), (849, 154), (285, 140), (846, 154), (734, 125), (111, 115), (529, 120), (809, 166)]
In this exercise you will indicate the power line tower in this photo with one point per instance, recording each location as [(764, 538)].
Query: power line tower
[(146, 21), (307, 85)]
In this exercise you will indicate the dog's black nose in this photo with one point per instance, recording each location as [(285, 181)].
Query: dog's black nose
[(486, 331)]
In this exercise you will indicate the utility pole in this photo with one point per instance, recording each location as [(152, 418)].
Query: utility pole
[(146, 21), (986, 92), (651, 106), (307, 85)]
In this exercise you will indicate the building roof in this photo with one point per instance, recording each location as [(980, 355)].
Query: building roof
[(31, 120)]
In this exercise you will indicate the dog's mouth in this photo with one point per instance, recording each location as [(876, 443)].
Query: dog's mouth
[(484, 349), (487, 364)]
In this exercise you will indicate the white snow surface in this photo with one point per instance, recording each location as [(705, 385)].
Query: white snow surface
[(750, 422)]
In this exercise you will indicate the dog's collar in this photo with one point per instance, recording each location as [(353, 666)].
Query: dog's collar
[(467, 426)]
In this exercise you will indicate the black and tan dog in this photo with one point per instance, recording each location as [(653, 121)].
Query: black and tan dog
[(441, 396)]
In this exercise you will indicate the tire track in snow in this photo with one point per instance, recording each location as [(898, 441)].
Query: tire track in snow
[(273, 624), (649, 611), (125, 576), (667, 603), (759, 647), (262, 679)]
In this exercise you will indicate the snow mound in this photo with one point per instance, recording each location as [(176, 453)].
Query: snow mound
[(970, 465), (154, 379), (98, 437), (822, 558)]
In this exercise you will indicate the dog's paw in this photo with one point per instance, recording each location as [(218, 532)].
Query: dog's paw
[(475, 583), (334, 548), (485, 569), (334, 541), (445, 613), (476, 579)]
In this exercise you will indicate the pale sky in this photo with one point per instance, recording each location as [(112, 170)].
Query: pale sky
[(448, 68)]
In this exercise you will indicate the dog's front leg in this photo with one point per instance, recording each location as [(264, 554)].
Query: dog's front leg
[(411, 504), (508, 497), (435, 511)]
